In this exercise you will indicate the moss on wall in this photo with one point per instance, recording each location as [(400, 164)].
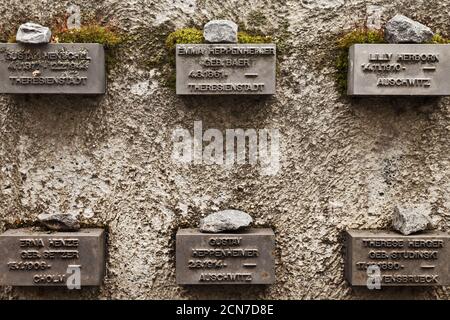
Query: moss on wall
[(89, 34), (360, 35), (438, 39), (186, 35), (93, 33)]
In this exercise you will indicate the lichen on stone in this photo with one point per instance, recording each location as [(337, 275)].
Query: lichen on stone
[(360, 35)]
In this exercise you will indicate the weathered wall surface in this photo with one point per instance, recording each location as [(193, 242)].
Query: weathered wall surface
[(344, 163)]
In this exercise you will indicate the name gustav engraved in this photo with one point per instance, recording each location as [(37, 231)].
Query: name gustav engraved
[(402, 260), (244, 258), (403, 69), (52, 68), (226, 69)]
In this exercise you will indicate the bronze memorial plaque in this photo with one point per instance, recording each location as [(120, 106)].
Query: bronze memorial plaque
[(399, 70), (43, 258), (225, 69), (225, 258), (63, 68), (414, 260)]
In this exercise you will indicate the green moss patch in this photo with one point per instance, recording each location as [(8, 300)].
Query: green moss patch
[(193, 35), (186, 35), (344, 43), (93, 33), (89, 34), (244, 37), (438, 39)]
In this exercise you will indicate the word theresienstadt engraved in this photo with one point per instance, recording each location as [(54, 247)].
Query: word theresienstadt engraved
[(414, 260), (52, 68), (33, 258), (225, 258), (225, 69), (399, 69)]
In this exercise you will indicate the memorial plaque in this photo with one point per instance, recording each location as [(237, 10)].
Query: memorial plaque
[(66, 68), (225, 258), (225, 69), (414, 260), (399, 69), (40, 258)]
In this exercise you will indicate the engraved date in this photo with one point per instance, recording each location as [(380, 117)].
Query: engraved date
[(208, 74), (206, 264), (28, 266)]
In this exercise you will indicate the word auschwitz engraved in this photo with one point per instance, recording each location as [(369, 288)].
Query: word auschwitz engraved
[(225, 69), (415, 260), (43, 259), (52, 68), (400, 69), (241, 258)]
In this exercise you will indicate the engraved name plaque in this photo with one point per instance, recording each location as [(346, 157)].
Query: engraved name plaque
[(225, 258), (39, 258), (399, 69), (75, 68), (414, 260), (223, 69)]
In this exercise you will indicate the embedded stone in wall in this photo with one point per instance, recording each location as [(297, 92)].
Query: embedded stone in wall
[(59, 222), (225, 258), (226, 220), (217, 31), (411, 219), (33, 33), (399, 70), (42, 258), (225, 69), (75, 68), (401, 29), (414, 260)]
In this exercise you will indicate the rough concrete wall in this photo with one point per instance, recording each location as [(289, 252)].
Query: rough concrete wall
[(345, 163)]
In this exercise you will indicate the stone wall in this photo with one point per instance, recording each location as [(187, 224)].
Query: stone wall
[(345, 163)]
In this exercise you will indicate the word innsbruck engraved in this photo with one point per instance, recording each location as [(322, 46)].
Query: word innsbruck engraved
[(225, 69), (399, 69)]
